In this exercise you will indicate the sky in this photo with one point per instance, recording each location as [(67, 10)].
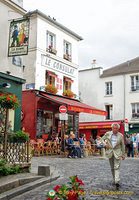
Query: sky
[(110, 28)]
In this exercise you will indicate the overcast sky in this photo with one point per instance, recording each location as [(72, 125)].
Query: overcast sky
[(110, 28)]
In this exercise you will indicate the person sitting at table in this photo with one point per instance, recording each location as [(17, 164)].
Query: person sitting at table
[(81, 141), (98, 143), (77, 149)]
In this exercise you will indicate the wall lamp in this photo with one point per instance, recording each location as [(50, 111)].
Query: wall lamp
[(6, 85)]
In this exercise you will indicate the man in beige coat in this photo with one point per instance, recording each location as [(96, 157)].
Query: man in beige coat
[(115, 150)]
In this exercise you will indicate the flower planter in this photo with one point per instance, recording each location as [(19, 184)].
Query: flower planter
[(67, 57), (51, 89), (68, 93), (52, 50)]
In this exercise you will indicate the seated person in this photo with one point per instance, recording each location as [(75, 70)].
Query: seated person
[(77, 149), (70, 146), (98, 143), (81, 141)]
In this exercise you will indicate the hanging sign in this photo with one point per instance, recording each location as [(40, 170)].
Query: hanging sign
[(18, 38)]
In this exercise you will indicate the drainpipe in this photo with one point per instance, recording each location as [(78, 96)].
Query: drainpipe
[(124, 96)]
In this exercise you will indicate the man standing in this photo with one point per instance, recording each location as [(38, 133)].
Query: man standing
[(115, 149)]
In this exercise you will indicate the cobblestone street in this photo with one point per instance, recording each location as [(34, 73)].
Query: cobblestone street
[(96, 175)]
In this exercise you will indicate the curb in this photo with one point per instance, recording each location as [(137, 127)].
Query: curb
[(22, 189)]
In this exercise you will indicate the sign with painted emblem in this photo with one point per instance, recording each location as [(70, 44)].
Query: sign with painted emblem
[(18, 37)]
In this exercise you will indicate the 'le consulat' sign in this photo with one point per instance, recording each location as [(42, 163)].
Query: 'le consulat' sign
[(53, 64)]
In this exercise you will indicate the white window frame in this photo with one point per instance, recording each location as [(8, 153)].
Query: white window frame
[(67, 48), (134, 82), (108, 88), (135, 110), (49, 41), (110, 112)]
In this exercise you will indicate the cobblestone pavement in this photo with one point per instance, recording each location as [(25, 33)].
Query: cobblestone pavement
[(96, 175)]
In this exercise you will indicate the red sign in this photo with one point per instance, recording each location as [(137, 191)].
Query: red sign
[(63, 109), (126, 121)]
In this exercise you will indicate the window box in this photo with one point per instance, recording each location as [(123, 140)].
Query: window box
[(67, 57), (68, 93), (135, 115), (51, 89), (51, 50)]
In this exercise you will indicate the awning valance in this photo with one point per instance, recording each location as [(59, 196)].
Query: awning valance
[(74, 105), (52, 74), (68, 79), (95, 125)]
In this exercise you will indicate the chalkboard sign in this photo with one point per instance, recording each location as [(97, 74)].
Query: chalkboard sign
[(76, 126), (39, 122)]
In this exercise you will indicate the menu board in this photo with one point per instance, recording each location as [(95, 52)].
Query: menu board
[(76, 127), (39, 122)]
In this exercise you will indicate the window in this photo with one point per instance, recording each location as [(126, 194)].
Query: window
[(67, 48), (67, 83), (50, 78), (51, 40), (109, 111), (108, 88), (135, 110), (134, 83)]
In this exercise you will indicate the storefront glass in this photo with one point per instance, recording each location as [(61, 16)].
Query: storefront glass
[(69, 124)]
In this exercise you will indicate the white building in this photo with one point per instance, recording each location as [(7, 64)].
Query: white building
[(8, 11), (116, 90), (53, 54)]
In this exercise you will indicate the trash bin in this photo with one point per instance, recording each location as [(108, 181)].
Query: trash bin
[(85, 153), (102, 152)]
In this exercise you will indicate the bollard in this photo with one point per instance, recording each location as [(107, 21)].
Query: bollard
[(85, 153)]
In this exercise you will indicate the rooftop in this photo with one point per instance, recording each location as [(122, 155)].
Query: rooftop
[(52, 20), (131, 66)]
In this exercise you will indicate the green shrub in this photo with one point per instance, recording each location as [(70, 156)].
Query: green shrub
[(5, 171)]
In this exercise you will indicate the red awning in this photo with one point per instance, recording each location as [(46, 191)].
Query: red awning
[(95, 125), (74, 105), (52, 74), (68, 80)]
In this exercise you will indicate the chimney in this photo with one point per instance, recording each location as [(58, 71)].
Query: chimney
[(94, 64)]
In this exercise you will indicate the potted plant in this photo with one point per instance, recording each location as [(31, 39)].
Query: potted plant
[(68, 93), (51, 88), (18, 137), (9, 101)]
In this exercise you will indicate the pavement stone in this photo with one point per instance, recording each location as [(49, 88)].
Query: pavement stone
[(95, 173)]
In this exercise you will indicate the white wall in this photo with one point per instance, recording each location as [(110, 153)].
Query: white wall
[(7, 14), (92, 89)]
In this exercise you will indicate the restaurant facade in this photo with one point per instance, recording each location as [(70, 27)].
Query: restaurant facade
[(41, 115), (98, 128)]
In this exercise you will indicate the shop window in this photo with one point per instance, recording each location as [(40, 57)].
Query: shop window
[(50, 78), (47, 122), (69, 124), (134, 83), (109, 109), (108, 86), (135, 110)]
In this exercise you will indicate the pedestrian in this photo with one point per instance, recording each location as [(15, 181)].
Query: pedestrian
[(137, 143), (129, 146), (115, 149)]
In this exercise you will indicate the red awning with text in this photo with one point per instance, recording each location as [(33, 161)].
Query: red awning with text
[(74, 105), (95, 125)]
